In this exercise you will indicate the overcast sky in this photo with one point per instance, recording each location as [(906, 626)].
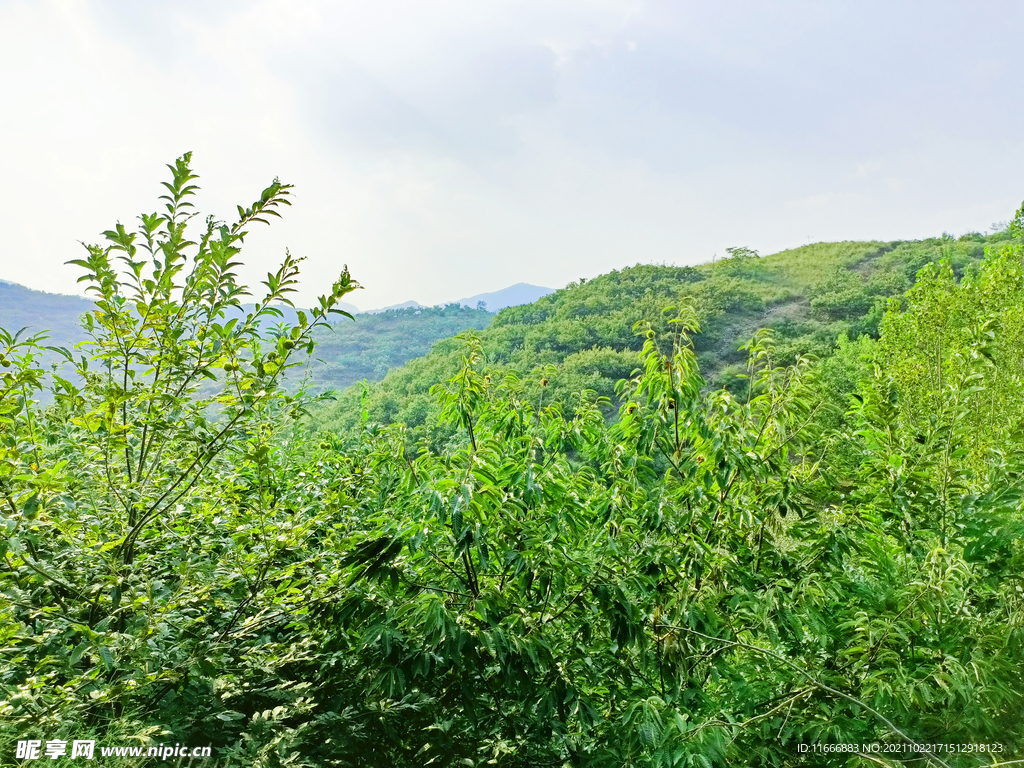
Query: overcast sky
[(444, 148)]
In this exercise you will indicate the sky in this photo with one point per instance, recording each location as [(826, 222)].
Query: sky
[(443, 148)]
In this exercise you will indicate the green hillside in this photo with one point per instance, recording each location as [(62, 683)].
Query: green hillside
[(372, 344), (581, 337)]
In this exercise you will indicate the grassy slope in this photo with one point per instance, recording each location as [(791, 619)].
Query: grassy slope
[(581, 336)]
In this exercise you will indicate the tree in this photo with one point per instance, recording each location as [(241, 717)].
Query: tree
[(141, 521)]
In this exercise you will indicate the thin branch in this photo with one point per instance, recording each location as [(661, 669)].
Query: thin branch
[(209, 455), (568, 605), (46, 575)]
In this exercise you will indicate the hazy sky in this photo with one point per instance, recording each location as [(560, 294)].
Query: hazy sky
[(444, 148)]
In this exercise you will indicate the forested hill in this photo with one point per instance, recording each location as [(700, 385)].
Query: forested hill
[(373, 344), (581, 337)]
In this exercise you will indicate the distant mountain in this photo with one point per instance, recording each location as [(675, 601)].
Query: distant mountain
[(513, 296), (58, 314), (403, 305), (366, 349), (379, 340), (22, 307)]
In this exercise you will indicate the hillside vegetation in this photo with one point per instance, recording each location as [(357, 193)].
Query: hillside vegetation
[(822, 567), (582, 338), (373, 344)]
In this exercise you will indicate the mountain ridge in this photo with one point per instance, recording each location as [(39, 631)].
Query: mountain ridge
[(513, 295)]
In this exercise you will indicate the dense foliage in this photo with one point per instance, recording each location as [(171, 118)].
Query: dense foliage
[(829, 554)]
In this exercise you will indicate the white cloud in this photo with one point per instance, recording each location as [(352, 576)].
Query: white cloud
[(448, 147)]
